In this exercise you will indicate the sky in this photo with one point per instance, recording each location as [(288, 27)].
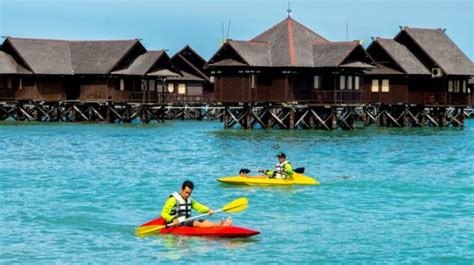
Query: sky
[(172, 24)]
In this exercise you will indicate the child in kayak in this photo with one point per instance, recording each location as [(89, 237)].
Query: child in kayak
[(179, 205), (283, 169)]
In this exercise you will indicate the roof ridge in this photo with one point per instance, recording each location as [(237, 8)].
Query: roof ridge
[(291, 42), (308, 29)]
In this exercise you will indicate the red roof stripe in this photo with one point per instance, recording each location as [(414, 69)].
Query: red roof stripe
[(291, 43)]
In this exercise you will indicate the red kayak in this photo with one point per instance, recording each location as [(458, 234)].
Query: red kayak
[(223, 231)]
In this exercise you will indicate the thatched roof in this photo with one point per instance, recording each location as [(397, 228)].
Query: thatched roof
[(180, 59), (254, 53), (99, 57), (163, 73), (332, 54), (60, 57), (401, 56), (142, 64), (192, 56), (289, 44), (8, 65), (185, 76), (381, 69), (440, 48)]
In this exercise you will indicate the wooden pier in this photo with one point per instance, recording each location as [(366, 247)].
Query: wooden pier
[(285, 116), (108, 112)]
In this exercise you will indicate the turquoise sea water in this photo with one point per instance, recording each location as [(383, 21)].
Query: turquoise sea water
[(73, 193)]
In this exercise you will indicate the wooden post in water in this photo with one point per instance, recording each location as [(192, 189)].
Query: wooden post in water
[(269, 118), (364, 118), (226, 117), (197, 114), (383, 119), (311, 122), (406, 117), (292, 119), (333, 119), (248, 116), (422, 119), (442, 117)]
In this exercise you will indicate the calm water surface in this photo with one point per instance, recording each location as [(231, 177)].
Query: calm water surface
[(73, 193)]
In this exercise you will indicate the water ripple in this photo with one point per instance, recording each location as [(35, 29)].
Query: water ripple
[(73, 193)]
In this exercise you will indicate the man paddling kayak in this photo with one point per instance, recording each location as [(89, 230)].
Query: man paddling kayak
[(179, 205), (283, 169)]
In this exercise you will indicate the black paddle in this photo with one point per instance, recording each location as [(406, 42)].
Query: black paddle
[(299, 170)]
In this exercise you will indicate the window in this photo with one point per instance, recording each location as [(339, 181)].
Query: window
[(212, 79), (252, 80), (456, 86), (122, 85), (356, 82), (181, 89), (375, 85), (170, 87), (20, 85), (317, 82), (143, 85), (151, 85), (349, 82), (464, 90), (450, 86), (385, 85), (159, 87), (342, 82), (9, 83)]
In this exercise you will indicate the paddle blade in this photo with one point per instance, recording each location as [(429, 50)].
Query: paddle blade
[(236, 206), (299, 170), (143, 231)]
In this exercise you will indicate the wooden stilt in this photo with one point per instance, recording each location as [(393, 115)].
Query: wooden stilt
[(291, 121), (442, 118)]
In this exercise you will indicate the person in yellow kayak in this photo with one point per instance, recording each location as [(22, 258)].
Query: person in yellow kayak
[(179, 205), (283, 169)]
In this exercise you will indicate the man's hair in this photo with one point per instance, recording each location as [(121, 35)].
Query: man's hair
[(188, 184)]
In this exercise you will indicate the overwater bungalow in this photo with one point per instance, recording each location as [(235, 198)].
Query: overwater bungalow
[(194, 82), (289, 63), (59, 70), (418, 66)]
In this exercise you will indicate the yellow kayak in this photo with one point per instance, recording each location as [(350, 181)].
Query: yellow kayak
[(297, 179)]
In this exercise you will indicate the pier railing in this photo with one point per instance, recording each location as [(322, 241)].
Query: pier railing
[(334, 97), (337, 97), (160, 97), (8, 94)]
